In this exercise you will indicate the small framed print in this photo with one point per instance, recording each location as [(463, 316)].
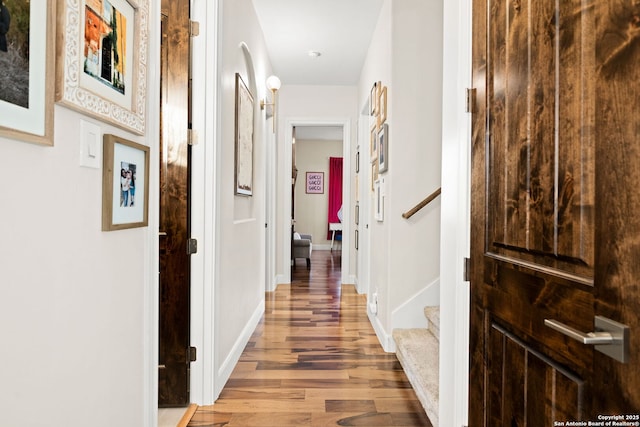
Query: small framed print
[(315, 183), (373, 100), (383, 148), (374, 174), (373, 143), (125, 184), (382, 102), (378, 201)]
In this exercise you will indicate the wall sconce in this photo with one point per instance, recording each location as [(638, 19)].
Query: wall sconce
[(273, 84)]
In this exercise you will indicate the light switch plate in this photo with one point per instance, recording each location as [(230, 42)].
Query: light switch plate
[(90, 145)]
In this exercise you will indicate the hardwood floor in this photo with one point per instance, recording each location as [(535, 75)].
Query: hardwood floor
[(314, 360)]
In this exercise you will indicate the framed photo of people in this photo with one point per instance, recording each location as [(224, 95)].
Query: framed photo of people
[(27, 51), (102, 60), (125, 184)]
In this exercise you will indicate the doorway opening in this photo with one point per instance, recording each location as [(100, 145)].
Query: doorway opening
[(312, 146)]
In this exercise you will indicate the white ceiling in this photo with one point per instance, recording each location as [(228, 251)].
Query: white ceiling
[(340, 30)]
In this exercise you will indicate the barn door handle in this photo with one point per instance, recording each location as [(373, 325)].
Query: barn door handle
[(610, 337)]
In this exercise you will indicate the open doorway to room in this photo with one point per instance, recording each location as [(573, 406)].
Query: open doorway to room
[(317, 192)]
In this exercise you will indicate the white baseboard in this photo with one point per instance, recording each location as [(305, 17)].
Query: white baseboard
[(351, 280), (226, 368), (386, 340), (274, 283)]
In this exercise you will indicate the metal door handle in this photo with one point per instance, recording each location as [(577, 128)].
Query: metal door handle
[(610, 337), (585, 338)]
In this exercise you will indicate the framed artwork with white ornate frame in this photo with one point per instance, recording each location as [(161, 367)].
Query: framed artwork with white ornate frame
[(102, 60)]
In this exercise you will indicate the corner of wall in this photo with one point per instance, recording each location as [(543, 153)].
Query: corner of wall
[(411, 313), (385, 338)]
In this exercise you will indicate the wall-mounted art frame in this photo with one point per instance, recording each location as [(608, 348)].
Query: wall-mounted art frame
[(102, 60), (243, 139), (378, 201), (125, 184), (314, 183), (373, 143), (373, 99), (382, 106), (26, 108), (383, 148), (357, 214), (374, 173), (356, 239)]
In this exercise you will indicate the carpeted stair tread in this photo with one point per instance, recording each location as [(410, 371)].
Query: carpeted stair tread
[(418, 353)]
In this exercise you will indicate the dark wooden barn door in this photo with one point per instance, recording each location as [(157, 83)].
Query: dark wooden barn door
[(555, 202), (174, 353)]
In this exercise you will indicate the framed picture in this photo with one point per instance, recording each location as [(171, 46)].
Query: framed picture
[(383, 148), (315, 183), (243, 139), (102, 60), (382, 102), (356, 239), (373, 100), (125, 184), (357, 214), (27, 97), (374, 174), (373, 142), (378, 201)]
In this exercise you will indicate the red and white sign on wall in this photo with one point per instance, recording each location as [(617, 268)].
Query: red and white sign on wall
[(315, 183)]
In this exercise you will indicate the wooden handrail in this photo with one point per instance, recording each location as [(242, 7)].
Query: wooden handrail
[(408, 214)]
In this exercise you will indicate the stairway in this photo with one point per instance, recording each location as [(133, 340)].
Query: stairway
[(418, 352)]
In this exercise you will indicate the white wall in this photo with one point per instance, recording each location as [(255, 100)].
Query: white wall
[(239, 279), (406, 56), (78, 314), (311, 209), (312, 105)]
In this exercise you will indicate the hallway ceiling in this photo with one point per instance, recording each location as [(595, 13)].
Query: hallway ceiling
[(340, 30)]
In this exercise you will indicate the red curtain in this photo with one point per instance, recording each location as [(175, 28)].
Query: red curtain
[(335, 191)]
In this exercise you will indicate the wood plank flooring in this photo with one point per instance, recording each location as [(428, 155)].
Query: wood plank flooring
[(314, 360)]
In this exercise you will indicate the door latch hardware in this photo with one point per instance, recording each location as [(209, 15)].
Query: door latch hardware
[(192, 246), (610, 337), (194, 28), (192, 354)]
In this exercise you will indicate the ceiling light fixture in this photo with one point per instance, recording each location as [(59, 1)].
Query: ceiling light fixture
[(314, 53), (273, 84)]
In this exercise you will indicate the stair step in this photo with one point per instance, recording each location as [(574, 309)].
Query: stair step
[(418, 353), (433, 318)]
